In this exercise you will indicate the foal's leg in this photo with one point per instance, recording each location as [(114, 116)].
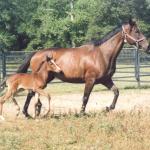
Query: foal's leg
[(87, 91), (35, 104), (110, 85), (5, 97), (17, 106), (38, 107), (30, 95), (43, 93)]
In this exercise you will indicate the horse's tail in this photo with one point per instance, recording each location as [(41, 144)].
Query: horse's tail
[(24, 67)]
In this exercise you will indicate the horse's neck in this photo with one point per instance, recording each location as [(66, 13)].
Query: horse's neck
[(110, 50), (43, 72)]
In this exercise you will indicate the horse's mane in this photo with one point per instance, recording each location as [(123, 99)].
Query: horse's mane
[(51, 48), (107, 36)]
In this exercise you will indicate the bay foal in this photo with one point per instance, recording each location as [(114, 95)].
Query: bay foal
[(35, 81)]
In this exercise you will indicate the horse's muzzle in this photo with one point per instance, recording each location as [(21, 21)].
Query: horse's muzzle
[(58, 70)]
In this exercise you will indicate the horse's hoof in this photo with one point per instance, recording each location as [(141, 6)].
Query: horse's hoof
[(82, 113), (108, 109), (28, 117)]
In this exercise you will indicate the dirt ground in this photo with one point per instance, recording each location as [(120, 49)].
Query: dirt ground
[(71, 102)]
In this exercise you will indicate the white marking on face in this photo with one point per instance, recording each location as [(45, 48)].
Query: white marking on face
[(57, 68)]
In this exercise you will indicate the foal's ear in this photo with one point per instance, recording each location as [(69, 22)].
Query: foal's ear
[(48, 58), (132, 22)]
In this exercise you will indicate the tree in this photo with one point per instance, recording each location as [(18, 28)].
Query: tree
[(30, 25)]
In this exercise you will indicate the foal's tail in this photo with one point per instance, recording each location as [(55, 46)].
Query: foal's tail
[(3, 84), (24, 67)]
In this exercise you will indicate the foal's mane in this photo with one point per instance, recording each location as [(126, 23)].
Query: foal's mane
[(41, 65), (107, 36)]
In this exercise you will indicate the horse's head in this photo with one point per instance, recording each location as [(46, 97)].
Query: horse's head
[(134, 36), (51, 65)]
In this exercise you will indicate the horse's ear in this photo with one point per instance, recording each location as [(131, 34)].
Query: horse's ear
[(132, 22)]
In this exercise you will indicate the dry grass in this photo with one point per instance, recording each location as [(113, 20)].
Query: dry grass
[(127, 127), (95, 131)]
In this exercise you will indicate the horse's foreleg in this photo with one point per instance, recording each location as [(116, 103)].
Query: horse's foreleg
[(27, 102), (110, 85), (87, 91)]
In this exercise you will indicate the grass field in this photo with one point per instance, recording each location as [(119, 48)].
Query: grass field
[(127, 127), (95, 131)]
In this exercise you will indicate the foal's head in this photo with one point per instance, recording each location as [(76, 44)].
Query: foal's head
[(134, 36), (51, 65)]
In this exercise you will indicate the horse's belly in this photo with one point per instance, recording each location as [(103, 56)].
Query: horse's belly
[(69, 79)]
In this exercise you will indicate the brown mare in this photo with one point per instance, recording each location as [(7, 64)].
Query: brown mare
[(35, 81), (93, 63)]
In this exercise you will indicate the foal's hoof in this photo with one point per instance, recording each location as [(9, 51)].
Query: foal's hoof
[(17, 114), (2, 118), (45, 116)]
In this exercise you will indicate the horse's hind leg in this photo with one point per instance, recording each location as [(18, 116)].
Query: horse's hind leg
[(110, 85), (27, 102)]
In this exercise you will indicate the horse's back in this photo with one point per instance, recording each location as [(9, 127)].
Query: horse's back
[(63, 56), (74, 62)]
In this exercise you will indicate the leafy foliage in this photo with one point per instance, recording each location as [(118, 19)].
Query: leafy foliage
[(29, 25)]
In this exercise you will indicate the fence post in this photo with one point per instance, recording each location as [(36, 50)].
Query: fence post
[(137, 67), (3, 64)]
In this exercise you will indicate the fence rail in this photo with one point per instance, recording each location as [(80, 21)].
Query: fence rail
[(132, 66)]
